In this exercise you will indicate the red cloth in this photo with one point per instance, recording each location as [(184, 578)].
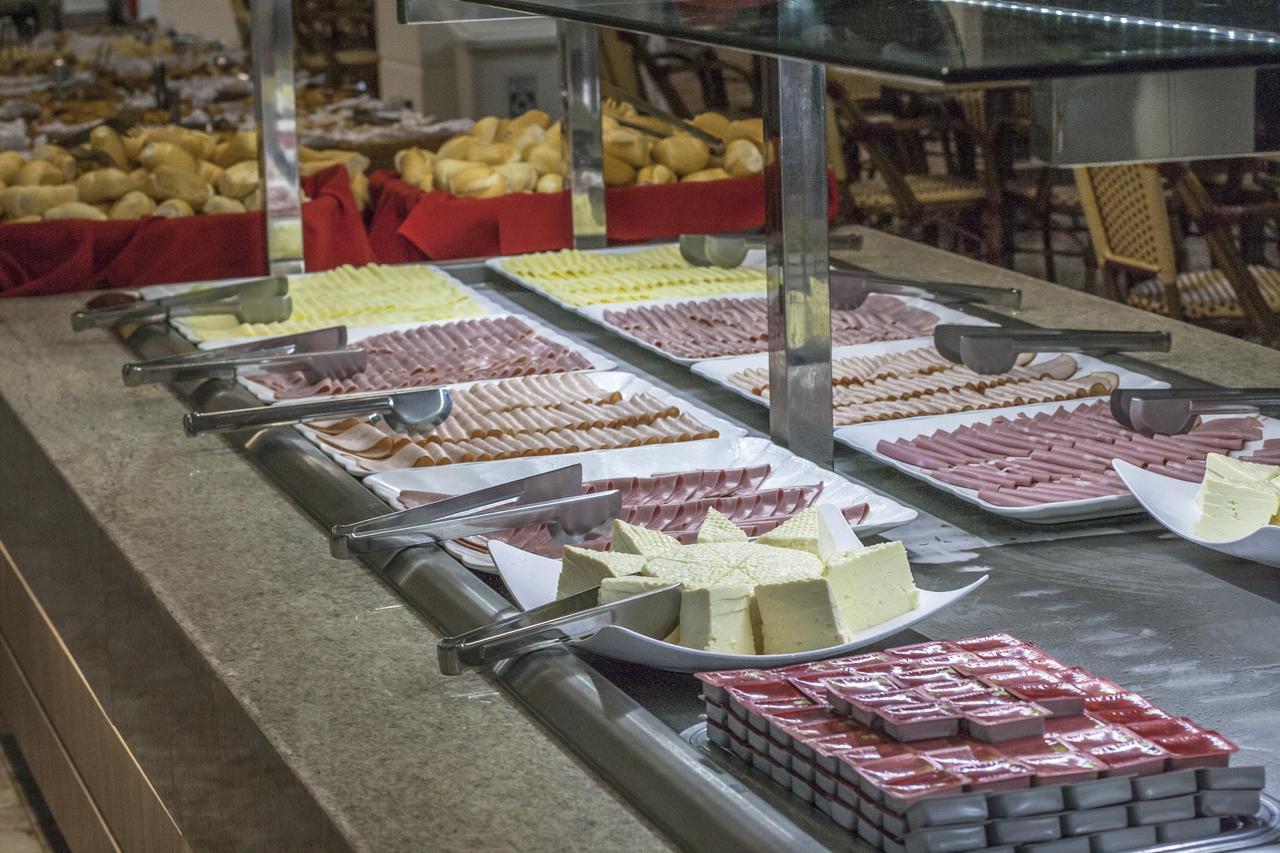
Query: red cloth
[(69, 255), (411, 225)]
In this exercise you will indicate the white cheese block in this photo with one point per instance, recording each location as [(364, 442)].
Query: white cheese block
[(630, 539), (583, 568), (1216, 465), (717, 528), (798, 616), (800, 532), (1230, 510), (615, 589), (717, 619), (872, 585), (766, 564)]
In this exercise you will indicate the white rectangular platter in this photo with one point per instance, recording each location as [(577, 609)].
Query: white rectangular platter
[(625, 383), (865, 437), (755, 259), (787, 469), (596, 314), (718, 370), (599, 361)]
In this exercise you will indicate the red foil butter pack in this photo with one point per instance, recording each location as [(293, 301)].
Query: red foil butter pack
[(996, 722), (917, 720), (1124, 753), (987, 642), (863, 706), (984, 767), (906, 776), (1203, 749), (1053, 762), (1046, 690), (841, 691), (752, 701), (714, 683)]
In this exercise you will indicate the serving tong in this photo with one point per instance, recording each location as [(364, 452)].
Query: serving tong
[(418, 411), (714, 143), (319, 354), (730, 250), (259, 300), (575, 617), (994, 349), (553, 498), (1173, 411)]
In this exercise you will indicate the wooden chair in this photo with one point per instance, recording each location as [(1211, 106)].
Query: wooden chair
[(1132, 235)]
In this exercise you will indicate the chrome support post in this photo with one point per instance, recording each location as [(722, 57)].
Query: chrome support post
[(274, 94), (795, 186), (580, 131)]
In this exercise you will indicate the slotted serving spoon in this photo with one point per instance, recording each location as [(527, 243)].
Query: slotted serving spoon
[(417, 411), (987, 349)]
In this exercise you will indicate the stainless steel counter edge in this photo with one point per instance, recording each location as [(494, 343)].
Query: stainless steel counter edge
[(696, 802)]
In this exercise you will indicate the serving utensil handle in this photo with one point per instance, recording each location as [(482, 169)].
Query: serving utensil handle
[(283, 414)]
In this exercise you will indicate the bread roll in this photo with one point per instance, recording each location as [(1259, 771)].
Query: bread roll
[(550, 183), (171, 182), (681, 154), (157, 154), (705, 175), (608, 123), (253, 201), (35, 200), (139, 179), (239, 180), (360, 189), (211, 172), (134, 141), (132, 205), (618, 173), (546, 157), (532, 118), (102, 185), (655, 173), (414, 166), (222, 204), (174, 208), (75, 210), (520, 177), (652, 122), (199, 145), (493, 153), (39, 173), (629, 146), (11, 163), (456, 148), (485, 130), (479, 182), (713, 123), (445, 169), (527, 137), (553, 133), (21, 220), (748, 128), (105, 139), (612, 106), (242, 146), (742, 157)]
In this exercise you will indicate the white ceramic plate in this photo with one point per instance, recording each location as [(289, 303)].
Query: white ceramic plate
[(598, 360), (625, 383), (718, 370), (755, 259), (532, 582), (787, 469), (865, 437), (595, 313), (1171, 502)]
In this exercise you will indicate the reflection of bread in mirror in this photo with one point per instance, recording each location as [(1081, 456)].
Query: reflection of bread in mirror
[(617, 173), (478, 182), (550, 184), (629, 146), (132, 205), (713, 123), (655, 174), (681, 154), (520, 177), (706, 175), (742, 157)]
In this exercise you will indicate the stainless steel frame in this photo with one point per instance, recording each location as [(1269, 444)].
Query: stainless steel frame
[(580, 131), (272, 23)]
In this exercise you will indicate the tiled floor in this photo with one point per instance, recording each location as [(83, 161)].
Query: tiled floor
[(26, 826)]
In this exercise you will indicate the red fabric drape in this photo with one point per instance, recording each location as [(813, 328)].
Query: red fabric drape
[(411, 225), (69, 255)]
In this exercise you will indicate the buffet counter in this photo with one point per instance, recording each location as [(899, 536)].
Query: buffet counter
[(273, 698)]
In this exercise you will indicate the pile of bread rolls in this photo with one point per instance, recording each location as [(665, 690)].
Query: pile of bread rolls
[(166, 171), (525, 154)]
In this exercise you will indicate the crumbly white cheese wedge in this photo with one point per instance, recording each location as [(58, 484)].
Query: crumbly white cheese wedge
[(690, 573), (717, 528), (1216, 465), (800, 532), (717, 619), (872, 585), (766, 564), (799, 615), (720, 553), (630, 539), (583, 568), (616, 589), (1230, 510)]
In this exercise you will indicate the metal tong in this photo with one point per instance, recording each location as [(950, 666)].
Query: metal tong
[(850, 288), (417, 411), (576, 617), (553, 498), (319, 354), (730, 250), (1175, 411), (993, 349), (260, 300), (714, 143)]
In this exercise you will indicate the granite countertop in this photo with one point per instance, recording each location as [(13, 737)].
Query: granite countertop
[(333, 668), (1197, 352)]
